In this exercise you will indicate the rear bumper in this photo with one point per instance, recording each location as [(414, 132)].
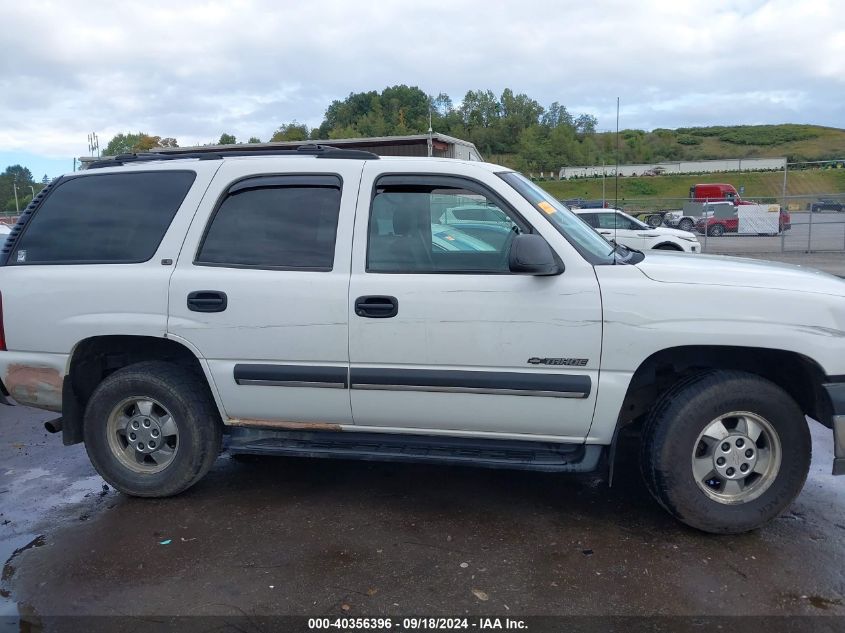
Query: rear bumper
[(836, 392)]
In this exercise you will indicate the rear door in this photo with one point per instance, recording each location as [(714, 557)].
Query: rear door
[(260, 289), (443, 337)]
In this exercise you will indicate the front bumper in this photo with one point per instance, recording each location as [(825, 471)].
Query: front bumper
[(4, 394), (836, 392)]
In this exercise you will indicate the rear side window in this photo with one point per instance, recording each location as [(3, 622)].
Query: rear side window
[(277, 223), (590, 218), (103, 219)]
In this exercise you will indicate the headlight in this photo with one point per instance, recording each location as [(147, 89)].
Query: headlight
[(691, 238)]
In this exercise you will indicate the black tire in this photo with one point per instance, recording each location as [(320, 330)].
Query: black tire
[(186, 397), (717, 230), (685, 225), (672, 430), (655, 221)]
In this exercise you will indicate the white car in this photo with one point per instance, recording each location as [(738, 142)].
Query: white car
[(616, 225)]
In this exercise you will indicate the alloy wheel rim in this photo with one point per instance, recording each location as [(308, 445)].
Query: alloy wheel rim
[(142, 435), (736, 458)]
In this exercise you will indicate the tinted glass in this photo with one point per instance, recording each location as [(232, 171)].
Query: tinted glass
[(274, 227), (616, 221), (107, 218), (590, 218), (421, 229)]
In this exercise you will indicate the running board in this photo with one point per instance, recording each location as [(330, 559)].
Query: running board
[(486, 453)]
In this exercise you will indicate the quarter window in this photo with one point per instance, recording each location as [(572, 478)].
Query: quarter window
[(281, 223), (104, 218)]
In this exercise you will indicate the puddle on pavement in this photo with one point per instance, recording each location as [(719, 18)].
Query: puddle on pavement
[(9, 549)]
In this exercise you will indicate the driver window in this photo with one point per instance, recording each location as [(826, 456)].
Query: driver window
[(433, 229)]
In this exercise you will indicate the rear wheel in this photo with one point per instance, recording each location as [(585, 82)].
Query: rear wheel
[(725, 451), (655, 220), (717, 230), (151, 429)]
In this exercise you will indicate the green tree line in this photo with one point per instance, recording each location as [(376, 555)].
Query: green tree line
[(517, 130), (17, 177)]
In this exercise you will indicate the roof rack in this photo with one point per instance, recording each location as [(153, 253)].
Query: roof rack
[(318, 151)]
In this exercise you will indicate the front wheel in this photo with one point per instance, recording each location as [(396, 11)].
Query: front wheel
[(725, 451), (151, 429), (717, 230), (655, 221), (685, 224)]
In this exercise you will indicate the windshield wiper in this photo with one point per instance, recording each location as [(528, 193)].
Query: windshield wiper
[(622, 257)]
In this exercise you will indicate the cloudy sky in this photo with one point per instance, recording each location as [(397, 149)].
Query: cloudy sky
[(193, 69)]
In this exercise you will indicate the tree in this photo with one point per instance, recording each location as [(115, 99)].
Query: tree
[(227, 139), (254, 139), (556, 115), (139, 142), (292, 131), (19, 174), (586, 124), (480, 108), (442, 104), (45, 180)]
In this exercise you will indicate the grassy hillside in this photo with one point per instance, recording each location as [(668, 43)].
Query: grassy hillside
[(797, 143), (663, 191)]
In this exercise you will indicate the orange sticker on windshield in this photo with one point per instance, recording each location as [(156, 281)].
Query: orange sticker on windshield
[(546, 207)]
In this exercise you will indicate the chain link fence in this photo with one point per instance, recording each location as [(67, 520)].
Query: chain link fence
[(811, 193)]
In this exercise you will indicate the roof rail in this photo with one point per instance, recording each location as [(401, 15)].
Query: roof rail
[(319, 151)]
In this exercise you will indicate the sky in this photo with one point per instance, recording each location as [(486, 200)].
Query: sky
[(193, 69)]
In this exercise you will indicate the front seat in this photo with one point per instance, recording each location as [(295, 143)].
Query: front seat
[(408, 246)]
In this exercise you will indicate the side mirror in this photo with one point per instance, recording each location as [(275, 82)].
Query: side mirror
[(530, 254)]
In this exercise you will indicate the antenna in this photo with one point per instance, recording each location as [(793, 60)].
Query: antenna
[(93, 144)]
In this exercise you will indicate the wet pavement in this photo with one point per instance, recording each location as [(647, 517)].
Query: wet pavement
[(321, 537)]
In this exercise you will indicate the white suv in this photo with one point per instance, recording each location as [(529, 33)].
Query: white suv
[(300, 303), (623, 229)]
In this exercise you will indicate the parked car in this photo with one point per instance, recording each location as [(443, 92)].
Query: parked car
[(718, 220), (299, 303), (827, 204), (475, 213), (622, 228), (581, 203)]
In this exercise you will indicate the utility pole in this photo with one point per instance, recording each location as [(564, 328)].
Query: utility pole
[(430, 139), (15, 189), (616, 184), (603, 174)]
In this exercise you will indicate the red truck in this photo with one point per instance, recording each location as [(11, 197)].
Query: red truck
[(715, 192), (718, 192)]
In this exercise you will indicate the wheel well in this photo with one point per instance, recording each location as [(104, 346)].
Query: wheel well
[(798, 375), (668, 246), (96, 358)]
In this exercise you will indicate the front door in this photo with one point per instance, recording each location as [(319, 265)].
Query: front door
[(443, 337)]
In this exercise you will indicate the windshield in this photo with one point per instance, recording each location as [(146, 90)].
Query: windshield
[(586, 241)]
